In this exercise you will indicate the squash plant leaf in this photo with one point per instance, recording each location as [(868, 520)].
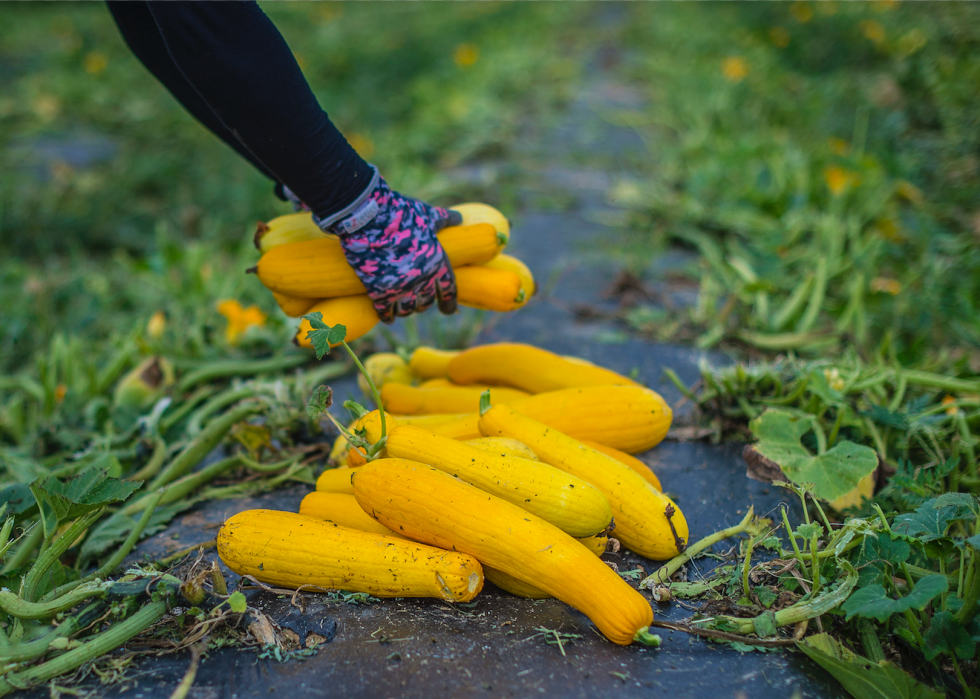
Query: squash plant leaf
[(833, 473), (873, 601), (61, 501), (876, 555), (862, 678), (946, 635), (322, 336), (320, 401), (931, 519)]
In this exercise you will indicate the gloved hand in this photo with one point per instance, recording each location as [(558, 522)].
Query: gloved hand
[(390, 242)]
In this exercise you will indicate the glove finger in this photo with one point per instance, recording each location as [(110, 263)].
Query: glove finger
[(426, 297), (385, 310), (446, 290), (443, 218), (406, 305)]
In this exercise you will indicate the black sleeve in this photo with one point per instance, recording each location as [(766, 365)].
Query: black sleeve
[(239, 65)]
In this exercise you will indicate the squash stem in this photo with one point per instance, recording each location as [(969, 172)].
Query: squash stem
[(374, 389), (646, 638)]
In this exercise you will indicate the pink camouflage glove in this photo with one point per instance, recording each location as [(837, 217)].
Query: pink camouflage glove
[(390, 241)]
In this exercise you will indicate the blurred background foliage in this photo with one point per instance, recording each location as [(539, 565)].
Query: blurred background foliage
[(822, 159)]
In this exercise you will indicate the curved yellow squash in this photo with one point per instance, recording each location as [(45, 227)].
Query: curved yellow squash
[(431, 363), (292, 550), (291, 228), (569, 503), (529, 368), (629, 418), (356, 313), (512, 264), (403, 399), (489, 289), (647, 522), (428, 505), (634, 463), (344, 510), (294, 306)]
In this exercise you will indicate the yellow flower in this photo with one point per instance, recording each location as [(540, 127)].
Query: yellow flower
[(239, 319), (466, 55), (735, 68), (951, 402), (834, 379), (362, 144), (95, 63), (838, 146), (801, 11), (886, 285), (156, 325), (908, 191), (872, 30), (839, 180), (59, 393), (779, 37)]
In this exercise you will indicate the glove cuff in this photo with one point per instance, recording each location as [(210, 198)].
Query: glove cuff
[(355, 215)]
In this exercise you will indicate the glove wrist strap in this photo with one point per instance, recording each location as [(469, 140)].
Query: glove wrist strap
[(355, 215)]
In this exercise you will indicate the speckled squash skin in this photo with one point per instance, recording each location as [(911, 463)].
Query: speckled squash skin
[(293, 550), (567, 502), (634, 463), (344, 510), (431, 363), (429, 505), (647, 521)]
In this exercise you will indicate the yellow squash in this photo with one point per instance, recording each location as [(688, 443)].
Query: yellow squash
[(431, 363), (474, 212), (294, 306), (292, 550), (291, 228), (647, 522), (634, 463), (430, 506), (489, 289), (356, 313), (412, 400), (335, 480), (344, 510), (629, 418), (512, 264), (529, 368), (569, 503), (318, 268)]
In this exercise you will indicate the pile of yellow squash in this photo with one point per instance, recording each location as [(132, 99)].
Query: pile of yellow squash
[(524, 492), (306, 270)]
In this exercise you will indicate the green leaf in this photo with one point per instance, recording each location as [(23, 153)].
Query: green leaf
[(322, 335), (931, 519), (873, 601), (946, 635), (766, 596), (61, 501), (18, 498), (876, 554), (974, 541), (237, 603), (808, 531), (319, 402), (833, 474), (862, 678)]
